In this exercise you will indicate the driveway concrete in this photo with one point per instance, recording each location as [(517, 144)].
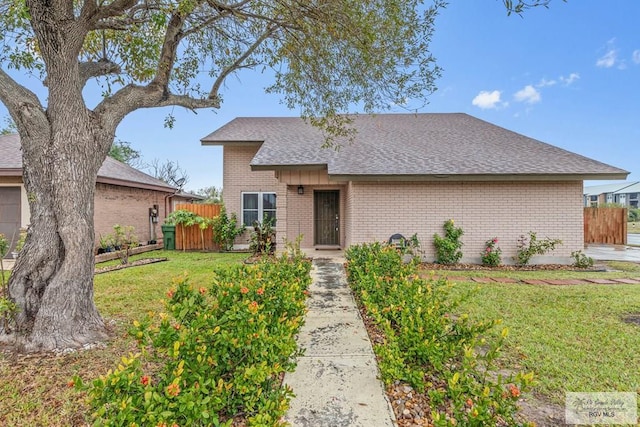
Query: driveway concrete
[(613, 253), (336, 381)]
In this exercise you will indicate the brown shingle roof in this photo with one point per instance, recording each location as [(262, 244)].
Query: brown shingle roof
[(111, 172), (411, 145)]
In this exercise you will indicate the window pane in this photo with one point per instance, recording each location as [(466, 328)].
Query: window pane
[(250, 201), (268, 201), (249, 217)]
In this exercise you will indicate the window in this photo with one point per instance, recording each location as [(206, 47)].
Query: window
[(257, 207), (594, 198)]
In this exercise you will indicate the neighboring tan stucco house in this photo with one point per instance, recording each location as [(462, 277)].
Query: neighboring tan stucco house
[(406, 173), (123, 196)]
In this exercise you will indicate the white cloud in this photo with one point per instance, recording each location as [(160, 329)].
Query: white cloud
[(568, 80), (528, 94), (636, 56), (486, 99), (545, 83), (608, 60)]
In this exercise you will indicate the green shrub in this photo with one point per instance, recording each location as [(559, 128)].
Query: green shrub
[(215, 354), (262, 239), (581, 260), (530, 246), (492, 254), (124, 238), (226, 229), (4, 249), (429, 345), (448, 248), (634, 214)]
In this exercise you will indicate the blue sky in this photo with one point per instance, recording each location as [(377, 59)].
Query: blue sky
[(568, 75)]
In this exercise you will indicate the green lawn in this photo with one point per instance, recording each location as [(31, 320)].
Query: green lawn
[(129, 293), (34, 390), (572, 337), (633, 227)]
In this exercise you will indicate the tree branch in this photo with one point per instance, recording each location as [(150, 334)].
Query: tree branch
[(172, 38), (237, 64), (19, 100), (93, 13), (102, 67), (133, 97)]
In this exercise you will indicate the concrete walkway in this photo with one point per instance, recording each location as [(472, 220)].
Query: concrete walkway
[(336, 382)]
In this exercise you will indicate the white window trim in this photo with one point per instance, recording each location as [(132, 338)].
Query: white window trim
[(260, 207)]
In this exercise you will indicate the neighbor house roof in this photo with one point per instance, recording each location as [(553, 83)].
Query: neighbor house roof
[(111, 172), (409, 146), (633, 188), (594, 190)]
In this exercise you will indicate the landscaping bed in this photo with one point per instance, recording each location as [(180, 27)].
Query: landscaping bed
[(574, 338), (504, 267)]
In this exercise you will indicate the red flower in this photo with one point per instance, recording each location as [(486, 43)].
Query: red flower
[(260, 291), (71, 383), (514, 390), (253, 306), (244, 290), (170, 293), (176, 326), (145, 380), (173, 390), (203, 290)]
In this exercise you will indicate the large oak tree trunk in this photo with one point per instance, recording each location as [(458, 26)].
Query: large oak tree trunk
[(52, 282)]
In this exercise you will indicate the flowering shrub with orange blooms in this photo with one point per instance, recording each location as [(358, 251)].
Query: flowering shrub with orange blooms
[(430, 344), (215, 354)]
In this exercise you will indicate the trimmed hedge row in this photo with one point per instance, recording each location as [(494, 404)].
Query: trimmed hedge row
[(431, 346), (217, 353)]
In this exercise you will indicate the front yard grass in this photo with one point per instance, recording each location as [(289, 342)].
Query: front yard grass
[(633, 227), (573, 337), (35, 389)]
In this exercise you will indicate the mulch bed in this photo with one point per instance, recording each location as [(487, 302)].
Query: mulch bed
[(131, 264), (536, 267)]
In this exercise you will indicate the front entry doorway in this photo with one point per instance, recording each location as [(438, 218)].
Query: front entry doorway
[(327, 217)]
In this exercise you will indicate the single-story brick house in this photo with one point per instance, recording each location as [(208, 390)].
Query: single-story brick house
[(406, 173), (124, 195)]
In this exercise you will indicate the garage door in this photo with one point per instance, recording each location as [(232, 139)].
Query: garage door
[(10, 212)]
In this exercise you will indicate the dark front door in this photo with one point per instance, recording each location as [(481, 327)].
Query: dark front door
[(327, 217), (10, 213)]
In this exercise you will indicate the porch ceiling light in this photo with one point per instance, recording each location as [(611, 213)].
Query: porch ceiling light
[(300, 189)]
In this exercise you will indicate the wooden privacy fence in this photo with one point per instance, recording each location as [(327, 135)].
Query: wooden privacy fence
[(193, 238), (605, 225)]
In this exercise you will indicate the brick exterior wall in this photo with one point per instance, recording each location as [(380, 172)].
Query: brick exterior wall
[(483, 209), (375, 211), (238, 178), (115, 204)]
